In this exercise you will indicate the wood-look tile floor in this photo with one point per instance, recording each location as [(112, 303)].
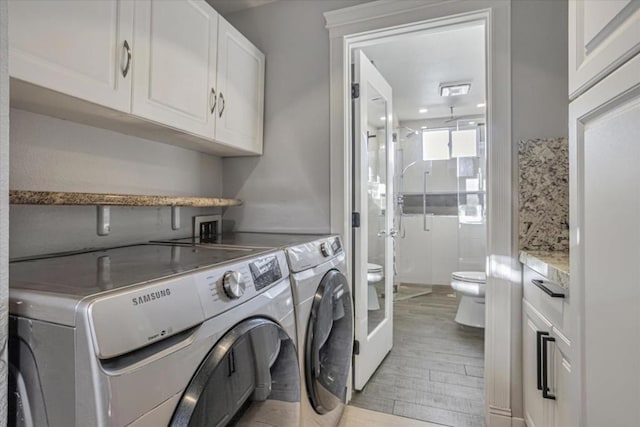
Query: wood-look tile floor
[(358, 417), (435, 371)]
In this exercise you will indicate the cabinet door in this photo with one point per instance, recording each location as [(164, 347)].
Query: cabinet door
[(534, 328), (74, 47), (175, 63), (241, 90), (560, 382), (605, 235), (603, 34)]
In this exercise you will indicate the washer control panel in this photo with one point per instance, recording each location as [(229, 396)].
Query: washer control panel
[(224, 287), (265, 271)]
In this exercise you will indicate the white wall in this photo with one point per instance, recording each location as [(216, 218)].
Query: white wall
[(4, 208), (57, 155), (287, 189)]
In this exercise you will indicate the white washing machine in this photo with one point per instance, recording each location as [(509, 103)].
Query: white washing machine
[(324, 316), (153, 335)]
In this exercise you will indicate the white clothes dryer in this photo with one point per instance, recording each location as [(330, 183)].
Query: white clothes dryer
[(324, 315), (153, 335)]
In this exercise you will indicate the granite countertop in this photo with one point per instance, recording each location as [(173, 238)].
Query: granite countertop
[(19, 197), (554, 265)]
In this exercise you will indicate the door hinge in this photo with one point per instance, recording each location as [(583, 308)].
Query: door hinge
[(355, 90), (356, 347), (355, 219)]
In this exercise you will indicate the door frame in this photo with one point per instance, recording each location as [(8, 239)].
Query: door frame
[(375, 20)]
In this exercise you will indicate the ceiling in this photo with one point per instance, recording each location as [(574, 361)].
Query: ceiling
[(225, 7), (415, 67)]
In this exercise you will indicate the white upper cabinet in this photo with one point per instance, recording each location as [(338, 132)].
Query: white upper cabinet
[(603, 34), (175, 64), (240, 107), (182, 74), (80, 48)]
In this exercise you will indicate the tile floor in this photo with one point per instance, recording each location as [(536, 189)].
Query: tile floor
[(434, 372), (358, 417)]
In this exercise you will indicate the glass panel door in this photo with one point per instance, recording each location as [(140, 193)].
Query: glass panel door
[(373, 198)]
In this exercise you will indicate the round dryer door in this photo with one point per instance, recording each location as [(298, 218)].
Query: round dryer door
[(250, 377), (329, 343)]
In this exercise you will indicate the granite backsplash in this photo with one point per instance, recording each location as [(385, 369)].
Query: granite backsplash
[(544, 194)]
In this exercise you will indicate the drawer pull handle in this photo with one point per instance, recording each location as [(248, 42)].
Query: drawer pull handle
[(552, 294), (545, 368)]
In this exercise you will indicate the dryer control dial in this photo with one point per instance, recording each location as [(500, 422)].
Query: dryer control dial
[(325, 249), (233, 284)]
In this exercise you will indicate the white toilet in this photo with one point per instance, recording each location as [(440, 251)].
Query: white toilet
[(375, 274), (471, 285)]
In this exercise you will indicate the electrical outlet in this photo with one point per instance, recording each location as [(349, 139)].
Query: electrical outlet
[(207, 227)]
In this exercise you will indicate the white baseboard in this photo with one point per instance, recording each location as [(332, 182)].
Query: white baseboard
[(499, 421)]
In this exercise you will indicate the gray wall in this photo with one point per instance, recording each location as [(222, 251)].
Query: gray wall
[(57, 155), (287, 189), (540, 109), (539, 79), (4, 208)]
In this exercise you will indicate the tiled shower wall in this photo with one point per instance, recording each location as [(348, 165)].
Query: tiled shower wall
[(544, 194)]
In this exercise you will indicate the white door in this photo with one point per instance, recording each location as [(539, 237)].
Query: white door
[(79, 48), (604, 132), (373, 199), (175, 64), (241, 69)]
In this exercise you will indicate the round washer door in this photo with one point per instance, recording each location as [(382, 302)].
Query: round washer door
[(329, 343), (250, 377)]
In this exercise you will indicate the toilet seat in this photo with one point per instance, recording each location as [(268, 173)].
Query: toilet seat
[(373, 268), (470, 276)]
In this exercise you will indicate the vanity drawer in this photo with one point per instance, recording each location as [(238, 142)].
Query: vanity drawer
[(549, 298)]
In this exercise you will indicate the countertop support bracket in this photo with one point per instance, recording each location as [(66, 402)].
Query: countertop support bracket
[(175, 217)]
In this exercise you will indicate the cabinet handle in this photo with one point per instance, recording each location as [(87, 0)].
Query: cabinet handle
[(552, 294), (213, 100), (545, 368), (223, 104), (539, 335), (127, 63)]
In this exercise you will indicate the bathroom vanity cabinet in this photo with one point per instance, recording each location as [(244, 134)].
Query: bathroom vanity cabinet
[(546, 352)]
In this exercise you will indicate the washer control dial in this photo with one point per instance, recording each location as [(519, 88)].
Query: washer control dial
[(233, 284), (326, 250)]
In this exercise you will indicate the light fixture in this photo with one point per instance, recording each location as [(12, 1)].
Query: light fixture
[(423, 127), (455, 89), (383, 118), (472, 123), (435, 145), (463, 143), (481, 105), (422, 110)]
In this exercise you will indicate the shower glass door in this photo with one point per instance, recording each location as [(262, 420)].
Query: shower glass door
[(373, 198)]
